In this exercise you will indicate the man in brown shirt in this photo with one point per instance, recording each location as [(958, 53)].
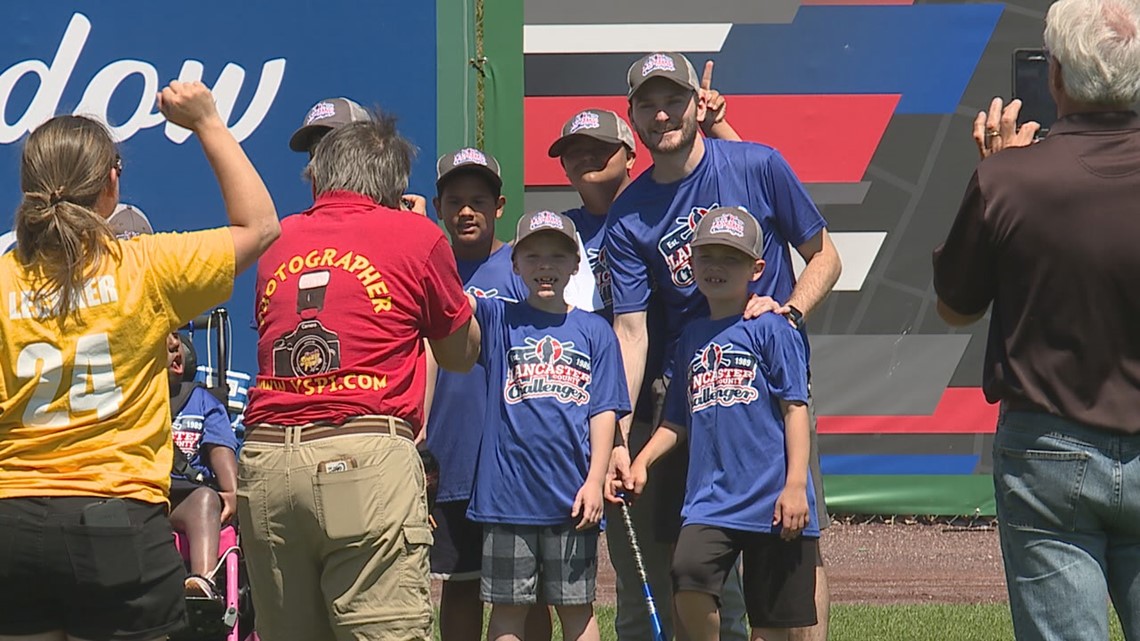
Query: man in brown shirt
[(1050, 234)]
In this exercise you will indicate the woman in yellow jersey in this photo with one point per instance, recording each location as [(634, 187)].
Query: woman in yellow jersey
[(85, 442)]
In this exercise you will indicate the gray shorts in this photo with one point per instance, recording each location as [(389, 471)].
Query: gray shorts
[(520, 562)]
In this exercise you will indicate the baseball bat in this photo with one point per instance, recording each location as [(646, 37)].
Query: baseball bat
[(654, 618)]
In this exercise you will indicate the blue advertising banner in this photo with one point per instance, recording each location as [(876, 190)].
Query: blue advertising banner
[(266, 63)]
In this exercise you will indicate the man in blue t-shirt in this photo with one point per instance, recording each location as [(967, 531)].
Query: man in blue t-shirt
[(597, 151), (653, 220), (468, 201), (555, 391), (739, 396), (203, 496)]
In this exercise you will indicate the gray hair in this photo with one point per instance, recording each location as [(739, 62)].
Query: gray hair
[(369, 158), (1097, 43)]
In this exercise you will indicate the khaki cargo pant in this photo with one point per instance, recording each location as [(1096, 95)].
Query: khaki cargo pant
[(336, 555)]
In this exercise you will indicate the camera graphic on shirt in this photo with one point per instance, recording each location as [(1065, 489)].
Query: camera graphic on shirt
[(308, 350)]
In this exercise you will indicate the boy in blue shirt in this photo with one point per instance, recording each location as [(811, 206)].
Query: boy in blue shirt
[(739, 395), (555, 391), (468, 202), (203, 494)]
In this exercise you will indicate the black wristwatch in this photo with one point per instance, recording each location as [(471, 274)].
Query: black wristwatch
[(796, 316)]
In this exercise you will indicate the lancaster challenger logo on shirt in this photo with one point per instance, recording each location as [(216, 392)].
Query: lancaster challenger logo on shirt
[(674, 247), (547, 368), (720, 375), (188, 433)]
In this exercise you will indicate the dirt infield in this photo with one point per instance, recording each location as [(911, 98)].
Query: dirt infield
[(904, 561), (913, 563)]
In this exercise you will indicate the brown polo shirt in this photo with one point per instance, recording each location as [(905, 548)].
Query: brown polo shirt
[(1050, 234)]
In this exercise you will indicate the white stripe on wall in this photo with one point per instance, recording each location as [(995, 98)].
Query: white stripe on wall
[(623, 38), (857, 250)]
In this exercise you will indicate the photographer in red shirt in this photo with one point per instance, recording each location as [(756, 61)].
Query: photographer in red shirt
[(331, 488)]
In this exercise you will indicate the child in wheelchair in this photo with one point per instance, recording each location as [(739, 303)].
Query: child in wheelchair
[(204, 479)]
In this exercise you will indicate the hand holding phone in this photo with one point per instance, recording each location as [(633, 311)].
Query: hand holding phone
[(997, 129)]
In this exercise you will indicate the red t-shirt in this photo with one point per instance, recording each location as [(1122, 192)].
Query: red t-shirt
[(344, 300)]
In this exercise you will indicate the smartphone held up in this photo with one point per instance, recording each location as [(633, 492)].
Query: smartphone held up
[(1031, 86)]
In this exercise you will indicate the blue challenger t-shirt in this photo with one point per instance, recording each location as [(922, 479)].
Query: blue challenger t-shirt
[(547, 376), (731, 375), (650, 225), (203, 421)]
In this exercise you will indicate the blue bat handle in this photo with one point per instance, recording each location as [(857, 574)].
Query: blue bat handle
[(654, 620)]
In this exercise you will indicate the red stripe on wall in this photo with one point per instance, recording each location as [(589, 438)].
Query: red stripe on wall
[(962, 410), (825, 138)]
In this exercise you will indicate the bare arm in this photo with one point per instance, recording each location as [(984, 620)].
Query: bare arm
[(589, 502), (664, 439), (429, 390), (253, 217), (458, 352), (796, 442), (723, 131), (820, 274), (602, 428), (223, 462), (634, 341), (791, 513)]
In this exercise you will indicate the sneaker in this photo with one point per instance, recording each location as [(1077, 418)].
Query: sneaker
[(198, 586)]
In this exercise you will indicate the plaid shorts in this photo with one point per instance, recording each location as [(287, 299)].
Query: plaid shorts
[(520, 562)]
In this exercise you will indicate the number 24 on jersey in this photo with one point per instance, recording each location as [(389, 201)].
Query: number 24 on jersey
[(92, 388)]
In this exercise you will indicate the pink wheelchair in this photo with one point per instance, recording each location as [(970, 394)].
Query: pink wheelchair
[(230, 617)]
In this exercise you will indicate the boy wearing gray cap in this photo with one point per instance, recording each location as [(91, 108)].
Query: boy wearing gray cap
[(739, 396), (555, 389)]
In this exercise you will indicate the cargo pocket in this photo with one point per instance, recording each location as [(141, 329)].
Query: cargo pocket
[(105, 556), (349, 504), (417, 544)]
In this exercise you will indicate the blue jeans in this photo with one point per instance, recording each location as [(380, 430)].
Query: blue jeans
[(1068, 504)]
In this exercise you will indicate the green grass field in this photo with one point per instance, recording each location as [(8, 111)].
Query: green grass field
[(898, 623)]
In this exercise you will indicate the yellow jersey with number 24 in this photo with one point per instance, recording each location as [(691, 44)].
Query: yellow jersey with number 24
[(85, 401)]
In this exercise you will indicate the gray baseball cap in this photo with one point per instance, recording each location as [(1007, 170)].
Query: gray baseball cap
[(468, 159), (545, 222), (128, 221), (599, 124), (671, 66), (730, 226), (323, 117)]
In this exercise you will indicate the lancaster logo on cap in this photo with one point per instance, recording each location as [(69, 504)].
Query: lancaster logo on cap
[(727, 224), (546, 219), (657, 62), (585, 120), (321, 111), (469, 155)]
